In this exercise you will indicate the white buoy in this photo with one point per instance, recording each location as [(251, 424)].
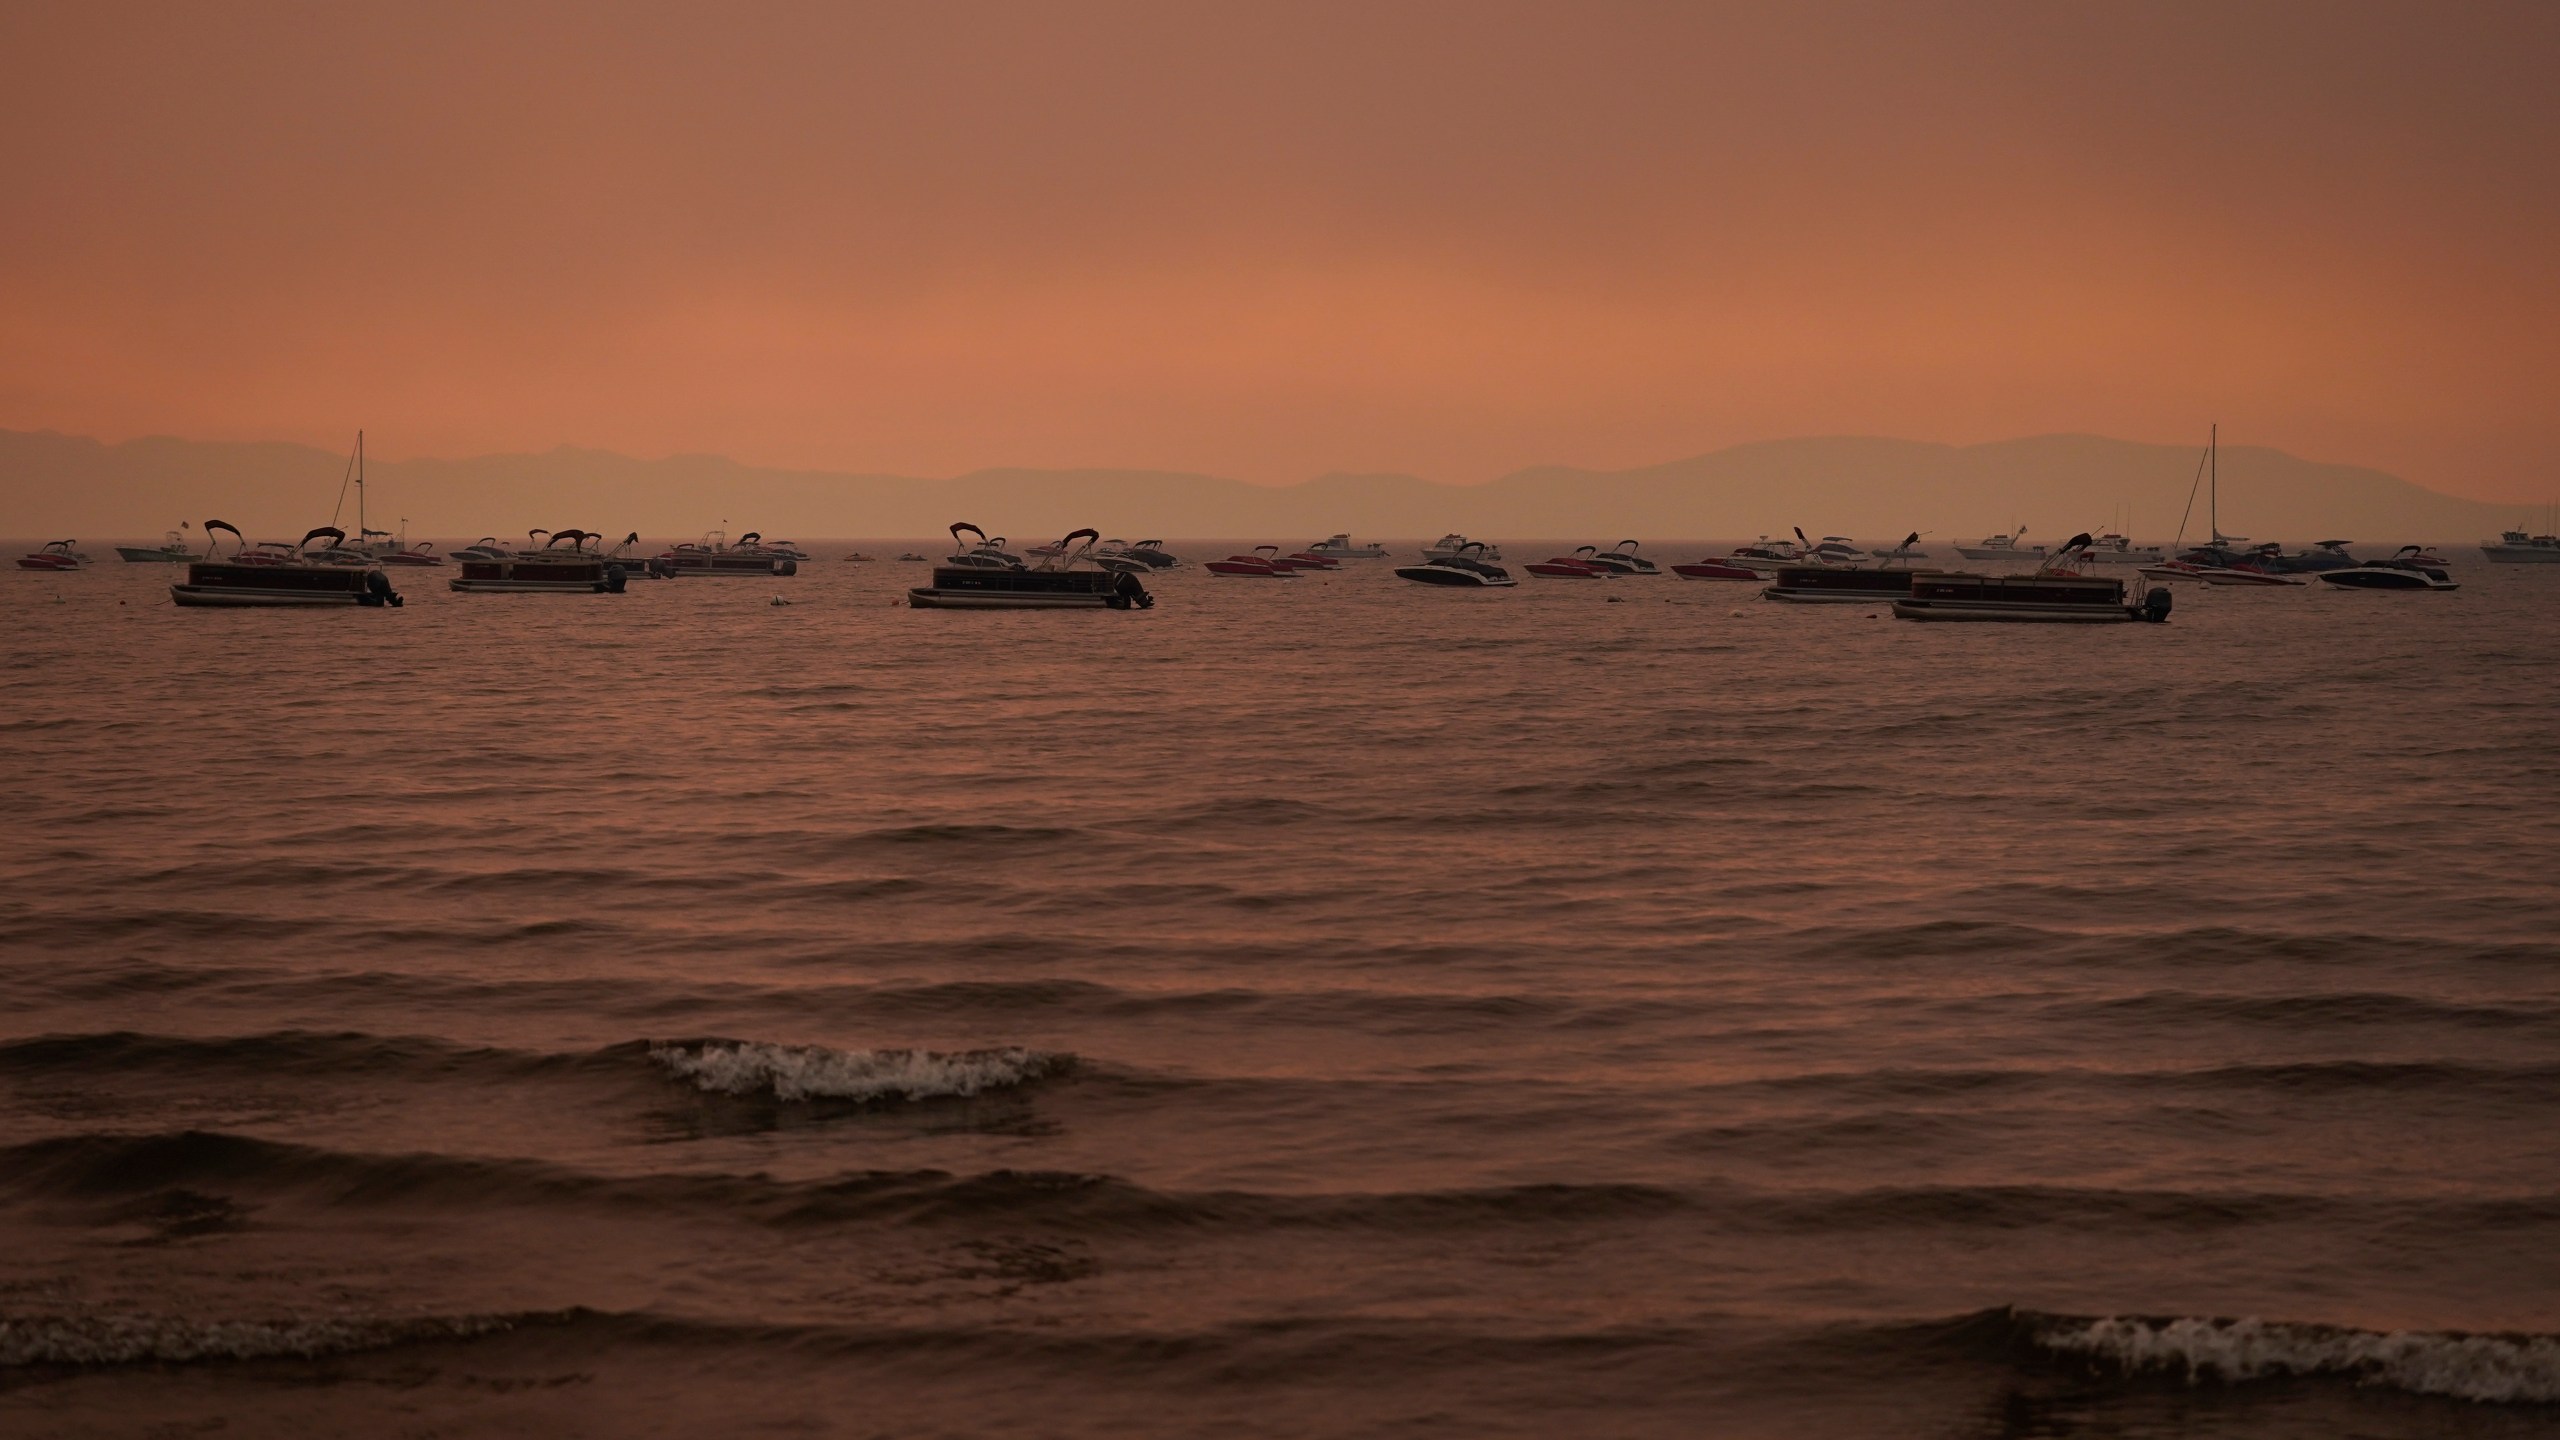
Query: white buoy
[(778, 600)]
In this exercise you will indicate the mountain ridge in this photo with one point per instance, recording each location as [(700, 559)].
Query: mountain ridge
[(1872, 487)]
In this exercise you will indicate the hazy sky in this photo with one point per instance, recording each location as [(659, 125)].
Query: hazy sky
[(1273, 241)]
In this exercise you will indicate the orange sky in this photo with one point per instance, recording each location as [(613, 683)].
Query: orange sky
[(1274, 241)]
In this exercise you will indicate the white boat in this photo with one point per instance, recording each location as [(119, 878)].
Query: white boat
[(172, 551), (2114, 549), (2002, 547), (1453, 544), (1339, 547), (1766, 555), (2517, 548), (1837, 550), (2406, 570)]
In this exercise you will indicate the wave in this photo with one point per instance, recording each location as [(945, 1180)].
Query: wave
[(813, 1072), (99, 1340), (2509, 1369)]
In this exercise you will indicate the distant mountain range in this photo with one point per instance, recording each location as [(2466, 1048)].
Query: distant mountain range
[(1870, 489)]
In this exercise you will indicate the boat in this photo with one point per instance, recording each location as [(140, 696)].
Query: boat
[(1904, 553), (2259, 567), (273, 573), (2324, 555), (858, 558), (414, 556), (56, 555), (1582, 564), (2515, 547), (2003, 547), (2053, 594), (1053, 584), (1339, 547), (2406, 570), (1263, 564), (1467, 568), (1623, 560), (1839, 584), (714, 555), (986, 554), (550, 570), (1153, 554), (1452, 545), (2113, 548), (2222, 561), (174, 550), (911, 558), (1765, 555), (484, 548), (1716, 570), (1309, 560), (1835, 550)]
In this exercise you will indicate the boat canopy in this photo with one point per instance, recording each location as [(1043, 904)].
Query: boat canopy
[(336, 535)]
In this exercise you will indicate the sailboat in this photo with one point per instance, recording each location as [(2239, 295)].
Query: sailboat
[(2217, 563)]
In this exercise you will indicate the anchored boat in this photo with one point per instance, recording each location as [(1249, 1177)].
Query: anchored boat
[(2052, 594), (1834, 585), (279, 574), (1053, 584), (549, 570), (1465, 568), (2411, 569)]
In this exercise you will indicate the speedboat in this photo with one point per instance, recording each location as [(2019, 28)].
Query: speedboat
[(1908, 550), (1153, 554), (1339, 547), (1309, 560), (1716, 570), (484, 548), (911, 558), (1623, 560), (173, 551), (2406, 570), (857, 557), (2257, 568), (1765, 555), (2053, 594), (421, 554), (1454, 544), (1263, 564), (1466, 568), (2514, 547), (1837, 550), (1053, 584), (2002, 547), (272, 573), (987, 554), (56, 555), (2324, 555), (1582, 564), (2114, 549)]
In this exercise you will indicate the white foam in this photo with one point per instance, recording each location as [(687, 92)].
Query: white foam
[(2509, 1369), (138, 1339), (810, 1072)]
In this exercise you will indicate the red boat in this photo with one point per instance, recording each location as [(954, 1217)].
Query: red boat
[(56, 555), (1263, 564), (1577, 566), (422, 553)]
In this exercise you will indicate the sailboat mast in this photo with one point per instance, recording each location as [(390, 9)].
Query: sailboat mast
[(360, 531), (2213, 469)]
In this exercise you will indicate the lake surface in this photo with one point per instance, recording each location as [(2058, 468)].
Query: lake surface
[(1331, 1006)]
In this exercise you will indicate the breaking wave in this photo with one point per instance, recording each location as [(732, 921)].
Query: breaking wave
[(2508, 1369), (814, 1072)]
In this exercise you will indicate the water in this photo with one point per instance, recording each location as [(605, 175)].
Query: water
[(1319, 1007)]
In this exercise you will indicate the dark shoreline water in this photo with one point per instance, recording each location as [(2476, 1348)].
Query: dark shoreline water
[(1330, 1007)]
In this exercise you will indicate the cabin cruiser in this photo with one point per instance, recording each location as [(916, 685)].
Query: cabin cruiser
[(2407, 570), (2514, 547), (56, 555), (173, 550), (1452, 545), (2002, 547), (271, 573), (1582, 564), (1053, 584), (1623, 560), (1263, 564), (578, 570), (1339, 547), (1468, 567), (2054, 593)]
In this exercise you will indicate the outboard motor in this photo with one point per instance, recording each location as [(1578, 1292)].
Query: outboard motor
[(2155, 604), (661, 567), (1126, 593), (786, 567), (378, 591), (615, 577)]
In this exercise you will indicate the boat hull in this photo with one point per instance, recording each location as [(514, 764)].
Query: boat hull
[(538, 576), (2028, 599), (135, 556), (2522, 554), (2380, 579), (960, 588), (1712, 570), (216, 583), (1449, 575), (927, 598)]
